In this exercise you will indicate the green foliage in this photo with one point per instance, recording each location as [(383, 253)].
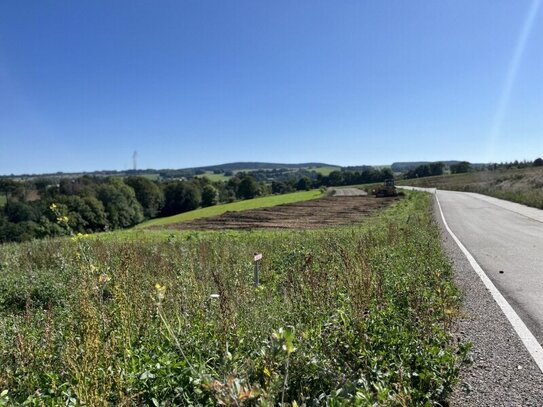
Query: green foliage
[(210, 196), (303, 184), (247, 188), (85, 214), (148, 194), (426, 170), (350, 316), (180, 197), (461, 167), (119, 200)]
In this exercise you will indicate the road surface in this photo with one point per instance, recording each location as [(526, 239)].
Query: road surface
[(506, 239)]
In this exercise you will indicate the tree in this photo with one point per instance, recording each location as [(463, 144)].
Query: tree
[(303, 184), (247, 188), (436, 168), (180, 196), (7, 187), (278, 187), (210, 195), (148, 194), (119, 200), (20, 212), (538, 162), (85, 214), (335, 178), (461, 167)]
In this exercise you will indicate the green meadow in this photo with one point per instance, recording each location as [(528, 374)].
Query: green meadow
[(345, 316)]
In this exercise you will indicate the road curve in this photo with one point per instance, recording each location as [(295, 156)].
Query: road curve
[(506, 240), (506, 367)]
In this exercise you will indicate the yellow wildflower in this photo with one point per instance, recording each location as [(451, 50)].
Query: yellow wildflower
[(160, 291), (104, 278)]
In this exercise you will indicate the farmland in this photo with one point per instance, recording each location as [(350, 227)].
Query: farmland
[(356, 315), (234, 207), (317, 213)]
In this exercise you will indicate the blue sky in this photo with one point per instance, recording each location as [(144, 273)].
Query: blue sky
[(187, 83)]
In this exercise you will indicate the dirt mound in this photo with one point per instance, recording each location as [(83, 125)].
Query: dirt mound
[(328, 211)]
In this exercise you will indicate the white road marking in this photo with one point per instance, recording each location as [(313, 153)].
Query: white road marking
[(527, 338)]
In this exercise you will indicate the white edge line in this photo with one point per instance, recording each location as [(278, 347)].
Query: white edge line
[(527, 338)]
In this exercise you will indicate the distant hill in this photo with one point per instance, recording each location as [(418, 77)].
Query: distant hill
[(246, 166), (186, 172), (409, 165)]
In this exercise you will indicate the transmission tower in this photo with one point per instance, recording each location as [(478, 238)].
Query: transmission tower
[(135, 160)]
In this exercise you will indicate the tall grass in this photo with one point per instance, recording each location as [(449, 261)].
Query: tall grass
[(345, 316)]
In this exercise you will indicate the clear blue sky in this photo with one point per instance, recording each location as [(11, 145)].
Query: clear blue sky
[(187, 83)]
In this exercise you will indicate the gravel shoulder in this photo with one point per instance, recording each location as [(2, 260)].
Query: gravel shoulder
[(501, 371)]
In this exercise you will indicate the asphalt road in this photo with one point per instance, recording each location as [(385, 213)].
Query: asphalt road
[(506, 239)]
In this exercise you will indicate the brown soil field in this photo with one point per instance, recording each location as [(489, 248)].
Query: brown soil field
[(322, 212)]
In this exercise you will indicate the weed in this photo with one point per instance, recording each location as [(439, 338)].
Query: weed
[(354, 315)]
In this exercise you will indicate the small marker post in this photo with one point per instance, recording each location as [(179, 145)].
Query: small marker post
[(257, 258)]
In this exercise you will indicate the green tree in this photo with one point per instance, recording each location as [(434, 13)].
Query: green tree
[(85, 214), (461, 167), (180, 196), (303, 184), (148, 194), (7, 187), (122, 208), (210, 195), (247, 188), (335, 178)]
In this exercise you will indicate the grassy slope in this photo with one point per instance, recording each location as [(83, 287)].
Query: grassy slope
[(234, 207), (524, 185), (356, 315), (2, 200)]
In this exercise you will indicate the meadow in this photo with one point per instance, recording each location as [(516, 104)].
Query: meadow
[(352, 315), (255, 203)]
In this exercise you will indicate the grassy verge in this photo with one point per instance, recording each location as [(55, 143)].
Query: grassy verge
[(356, 316), (523, 186), (255, 203)]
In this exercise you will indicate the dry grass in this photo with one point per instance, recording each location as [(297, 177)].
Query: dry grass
[(524, 185)]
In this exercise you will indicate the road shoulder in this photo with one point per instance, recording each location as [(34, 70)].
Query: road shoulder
[(502, 373)]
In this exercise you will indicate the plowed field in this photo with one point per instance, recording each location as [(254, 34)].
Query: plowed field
[(328, 211)]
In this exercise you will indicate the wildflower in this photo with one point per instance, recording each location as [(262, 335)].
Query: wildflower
[(160, 291), (53, 206), (104, 278)]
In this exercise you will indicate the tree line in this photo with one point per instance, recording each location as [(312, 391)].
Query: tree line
[(438, 168), (91, 204)]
